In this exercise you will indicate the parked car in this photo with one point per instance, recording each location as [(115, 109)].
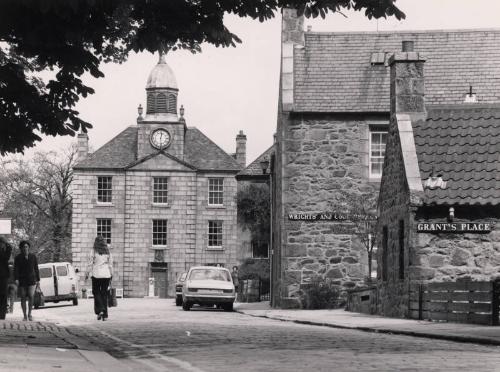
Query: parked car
[(208, 286), (58, 282), (178, 288)]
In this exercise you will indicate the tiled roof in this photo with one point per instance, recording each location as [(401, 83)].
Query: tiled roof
[(333, 73), (254, 169), (462, 144), (199, 152), (115, 154), (204, 154)]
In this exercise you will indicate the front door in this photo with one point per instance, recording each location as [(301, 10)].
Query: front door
[(161, 283)]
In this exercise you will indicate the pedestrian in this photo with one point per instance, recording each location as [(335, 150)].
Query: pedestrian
[(236, 280), (5, 252), (11, 288), (100, 268), (26, 276)]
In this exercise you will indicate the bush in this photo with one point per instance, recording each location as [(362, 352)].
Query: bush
[(320, 294), (254, 269)]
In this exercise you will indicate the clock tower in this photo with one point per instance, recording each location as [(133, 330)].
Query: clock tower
[(161, 128)]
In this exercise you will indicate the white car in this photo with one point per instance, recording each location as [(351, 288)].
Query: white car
[(208, 286), (58, 282)]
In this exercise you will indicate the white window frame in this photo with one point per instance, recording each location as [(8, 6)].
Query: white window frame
[(159, 191), (211, 233), (110, 190), (153, 232), (217, 193), (370, 156), (109, 238)]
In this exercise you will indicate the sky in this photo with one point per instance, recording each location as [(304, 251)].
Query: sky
[(225, 90)]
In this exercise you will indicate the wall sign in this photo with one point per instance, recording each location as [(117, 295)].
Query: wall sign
[(454, 227), (330, 216), (5, 226)]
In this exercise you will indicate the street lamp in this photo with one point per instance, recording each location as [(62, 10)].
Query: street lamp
[(264, 164)]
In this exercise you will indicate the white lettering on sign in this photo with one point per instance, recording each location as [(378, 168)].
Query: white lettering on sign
[(471, 227)]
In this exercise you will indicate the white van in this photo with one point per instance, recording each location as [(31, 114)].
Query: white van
[(58, 282)]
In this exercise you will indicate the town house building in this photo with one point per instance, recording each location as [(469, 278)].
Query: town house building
[(161, 193), (333, 120)]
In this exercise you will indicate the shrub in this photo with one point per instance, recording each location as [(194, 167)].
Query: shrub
[(320, 294)]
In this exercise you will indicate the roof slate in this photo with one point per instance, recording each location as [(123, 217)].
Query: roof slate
[(462, 144), (121, 152), (254, 169), (333, 73)]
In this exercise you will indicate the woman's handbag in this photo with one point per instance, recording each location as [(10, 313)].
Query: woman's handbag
[(39, 299), (112, 296)]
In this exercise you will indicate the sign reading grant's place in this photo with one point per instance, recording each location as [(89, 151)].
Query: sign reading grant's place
[(454, 227)]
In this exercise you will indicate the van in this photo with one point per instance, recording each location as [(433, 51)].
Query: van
[(58, 282)]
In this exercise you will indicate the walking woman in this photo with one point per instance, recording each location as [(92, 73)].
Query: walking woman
[(26, 277), (5, 251), (100, 267)]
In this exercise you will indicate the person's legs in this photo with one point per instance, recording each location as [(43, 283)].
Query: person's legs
[(3, 297), (31, 298), (97, 296), (105, 286), (11, 297), (22, 293)]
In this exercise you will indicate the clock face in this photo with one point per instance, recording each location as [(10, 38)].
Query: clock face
[(160, 138)]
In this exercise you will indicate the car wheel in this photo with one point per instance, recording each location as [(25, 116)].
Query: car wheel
[(228, 307), (75, 301), (186, 306), (178, 301)]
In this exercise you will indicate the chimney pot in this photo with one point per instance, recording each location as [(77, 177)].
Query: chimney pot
[(408, 46)]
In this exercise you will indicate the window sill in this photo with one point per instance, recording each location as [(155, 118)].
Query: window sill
[(98, 204), (159, 247), (160, 205), (216, 206), (215, 248)]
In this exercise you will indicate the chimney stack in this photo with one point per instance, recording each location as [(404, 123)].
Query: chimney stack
[(83, 146), (407, 81), (241, 149)]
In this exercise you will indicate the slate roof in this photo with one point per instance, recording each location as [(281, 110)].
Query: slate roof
[(333, 72), (462, 144), (254, 169), (121, 151)]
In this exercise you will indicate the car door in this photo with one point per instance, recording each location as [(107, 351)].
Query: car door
[(47, 280), (63, 279)]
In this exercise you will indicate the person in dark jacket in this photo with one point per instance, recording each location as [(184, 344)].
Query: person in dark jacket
[(27, 277), (5, 252)]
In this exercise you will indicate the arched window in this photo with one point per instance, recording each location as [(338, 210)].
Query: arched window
[(150, 107), (172, 103), (161, 103)]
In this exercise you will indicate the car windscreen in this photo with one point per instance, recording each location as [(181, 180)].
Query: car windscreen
[(182, 277), (45, 272), (210, 274)]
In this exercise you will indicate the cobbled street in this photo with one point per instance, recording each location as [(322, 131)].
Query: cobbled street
[(155, 335)]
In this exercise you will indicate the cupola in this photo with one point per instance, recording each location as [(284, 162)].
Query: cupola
[(161, 90)]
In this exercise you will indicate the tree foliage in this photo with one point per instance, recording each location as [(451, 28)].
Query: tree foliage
[(254, 210), (36, 195), (71, 37), (362, 207)]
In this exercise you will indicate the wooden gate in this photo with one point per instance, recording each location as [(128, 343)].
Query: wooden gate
[(461, 302)]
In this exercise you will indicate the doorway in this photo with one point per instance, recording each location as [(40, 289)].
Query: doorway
[(159, 272)]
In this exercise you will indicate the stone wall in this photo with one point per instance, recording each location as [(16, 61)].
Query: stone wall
[(450, 257), (323, 159)]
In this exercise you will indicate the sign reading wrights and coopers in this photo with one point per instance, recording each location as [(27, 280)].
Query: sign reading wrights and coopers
[(454, 227), (330, 216)]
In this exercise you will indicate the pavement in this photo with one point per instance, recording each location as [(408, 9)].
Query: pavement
[(44, 346), (339, 318)]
